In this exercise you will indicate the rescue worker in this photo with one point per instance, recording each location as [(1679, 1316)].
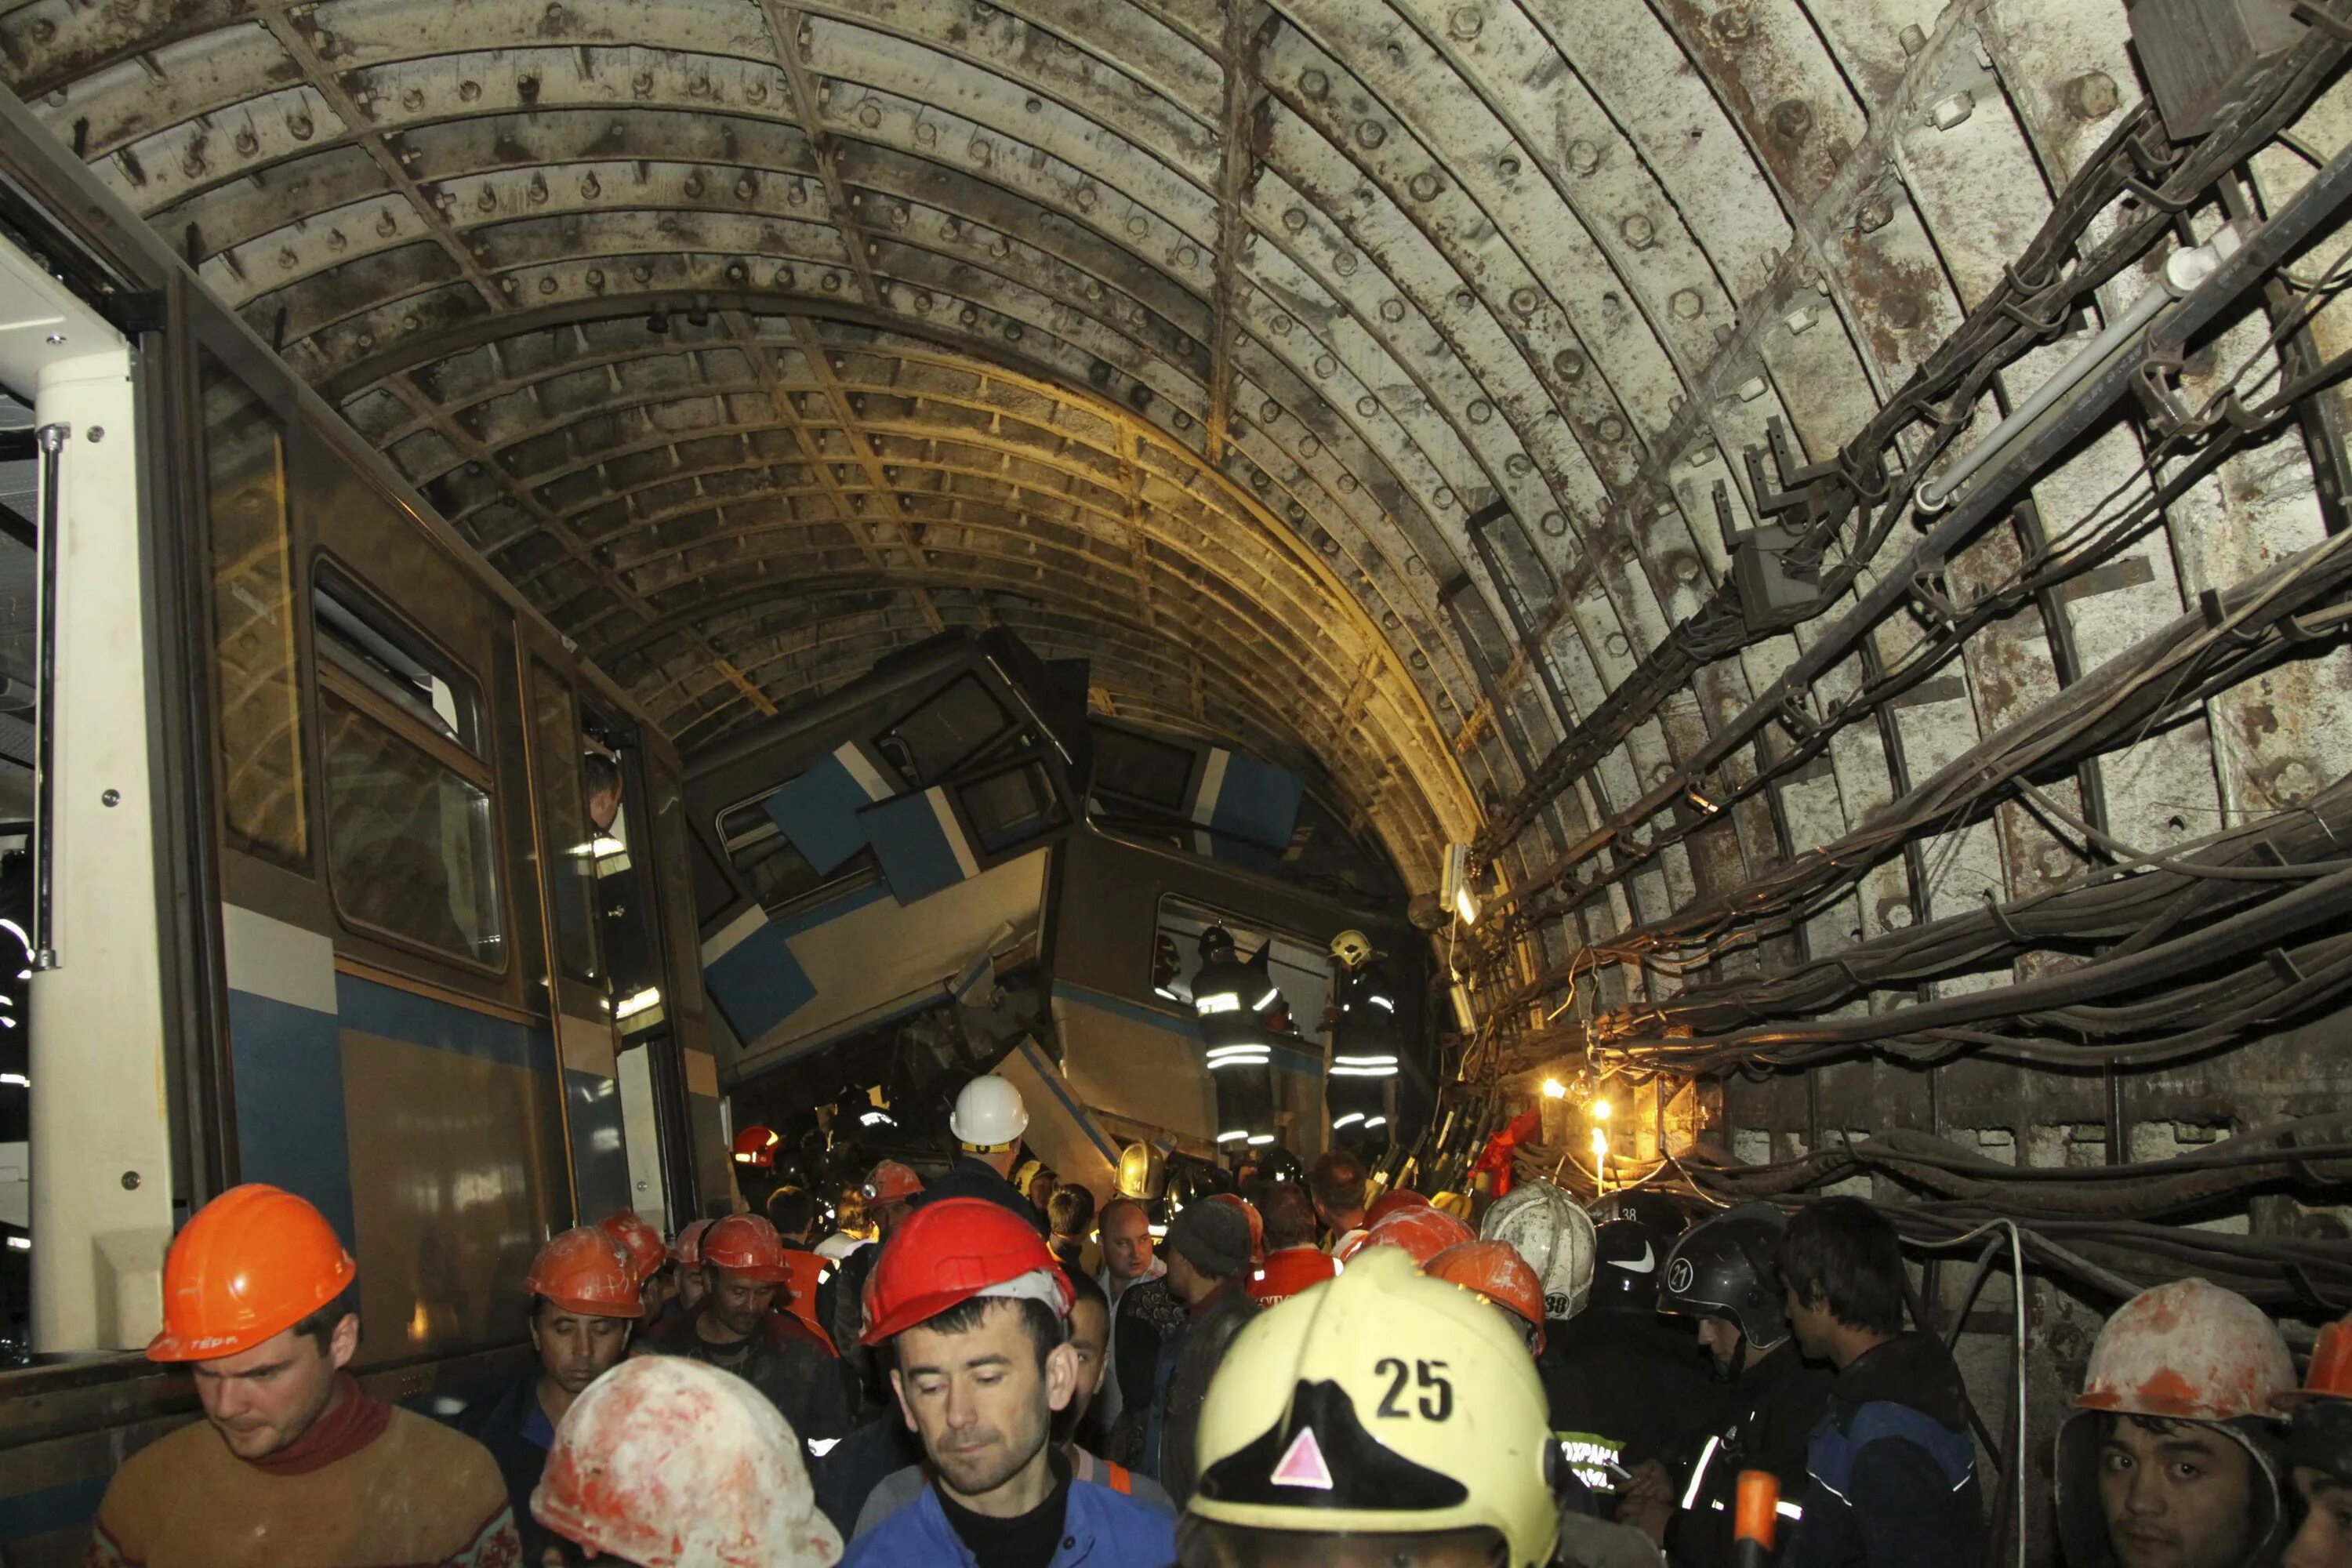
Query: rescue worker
[(756, 1149), (721, 1485), (648, 1253), (792, 1211), (1360, 1025), (1384, 1419), (1497, 1275), (1036, 1180), (1722, 1273), (974, 1315), (1240, 1011), (1625, 1388), (293, 1466), (584, 1304), (2170, 1459), (1336, 1182), (1128, 1260), (1069, 1219), (889, 1192), (1090, 1323), (2319, 1453), (600, 785), (1892, 1468), (735, 1329), (1554, 1235), (1293, 1261), (988, 1122), (1208, 1274)]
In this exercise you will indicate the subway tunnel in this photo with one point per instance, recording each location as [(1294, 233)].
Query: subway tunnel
[(1809, 534)]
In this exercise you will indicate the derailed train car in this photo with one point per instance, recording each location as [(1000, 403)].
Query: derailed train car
[(340, 870), (951, 865)]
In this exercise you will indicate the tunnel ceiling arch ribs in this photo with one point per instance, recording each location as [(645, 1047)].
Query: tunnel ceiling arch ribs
[(754, 340)]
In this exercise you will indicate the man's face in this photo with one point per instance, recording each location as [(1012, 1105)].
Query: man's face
[(576, 1348), (2178, 1496), (1125, 1243), (1721, 1339), (2325, 1539), (262, 1400), (602, 807), (1811, 1321), (692, 1288), (1089, 1333), (735, 1303), (981, 1400)]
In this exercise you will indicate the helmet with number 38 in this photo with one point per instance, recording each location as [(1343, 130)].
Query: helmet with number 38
[(1384, 1411)]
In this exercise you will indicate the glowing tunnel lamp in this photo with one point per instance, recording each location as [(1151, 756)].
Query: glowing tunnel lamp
[(1554, 1089), (1599, 1111)]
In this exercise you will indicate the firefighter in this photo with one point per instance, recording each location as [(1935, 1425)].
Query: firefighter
[(293, 1466), (988, 1122), (1336, 1182), (755, 1163), (1722, 1273), (2319, 1453), (735, 1328), (792, 1211), (1361, 1022), (1240, 1011), (1384, 1418), (1892, 1468), (584, 1303), (2170, 1459), (974, 1315), (669, 1464)]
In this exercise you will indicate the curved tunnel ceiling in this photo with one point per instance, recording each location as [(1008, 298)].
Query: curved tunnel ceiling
[(754, 340)]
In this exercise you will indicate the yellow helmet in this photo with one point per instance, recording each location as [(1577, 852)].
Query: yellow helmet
[(1384, 1404), (1352, 948), (1142, 1173)]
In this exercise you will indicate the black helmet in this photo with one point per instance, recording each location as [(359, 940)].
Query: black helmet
[(1724, 1268), (1215, 941), (2319, 1435), (1650, 1206), (1627, 1254)]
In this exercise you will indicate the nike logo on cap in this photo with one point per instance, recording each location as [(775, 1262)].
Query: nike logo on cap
[(1643, 1265)]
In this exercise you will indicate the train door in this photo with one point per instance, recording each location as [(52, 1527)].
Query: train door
[(564, 769)]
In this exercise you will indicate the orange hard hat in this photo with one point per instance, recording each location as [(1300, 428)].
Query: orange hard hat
[(2189, 1351), (584, 1270), (756, 1147), (1256, 1223), (891, 1182), (950, 1251), (2329, 1375), (687, 1248), (640, 1243), (1495, 1271), (1424, 1232), (253, 1263), (671, 1464), (1388, 1204), (746, 1245)]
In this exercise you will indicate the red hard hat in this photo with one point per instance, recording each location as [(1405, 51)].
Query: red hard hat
[(687, 1248), (253, 1263), (746, 1246), (947, 1253), (891, 1182), (584, 1270), (756, 1147), (638, 1241), (1256, 1222), (1423, 1232), (1495, 1271), (2189, 1351), (1396, 1202), (2329, 1375)]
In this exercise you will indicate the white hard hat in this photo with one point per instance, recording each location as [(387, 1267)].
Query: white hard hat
[(1553, 1233), (989, 1114), (672, 1464)]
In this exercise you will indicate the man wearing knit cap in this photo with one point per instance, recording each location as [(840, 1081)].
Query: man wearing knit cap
[(1208, 1272)]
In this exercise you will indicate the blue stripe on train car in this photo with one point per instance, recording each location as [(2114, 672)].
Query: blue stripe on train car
[(922, 847), (818, 811), (1257, 802), (374, 1008), (287, 1066), (60, 1507)]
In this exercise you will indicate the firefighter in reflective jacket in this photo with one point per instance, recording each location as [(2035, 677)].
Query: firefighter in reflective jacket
[(1722, 1273), (1239, 1010), (1361, 1025)]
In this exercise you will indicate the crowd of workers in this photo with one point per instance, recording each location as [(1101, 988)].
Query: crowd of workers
[(1303, 1371)]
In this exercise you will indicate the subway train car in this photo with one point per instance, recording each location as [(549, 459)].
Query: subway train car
[(337, 868), (951, 853)]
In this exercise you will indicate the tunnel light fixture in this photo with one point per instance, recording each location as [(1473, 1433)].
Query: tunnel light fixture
[(15, 1080), (1348, 1121), (20, 1243), (1233, 1137), (1554, 1089), (644, 1001), (1372, 1122), (1599, 1111), (1260, 1140), (1454, 891)]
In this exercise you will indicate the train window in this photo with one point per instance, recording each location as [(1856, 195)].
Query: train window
[(1138, 768), (411, 847), (954, 725), (253, 620), (1011, 806), (777, 873), (569, 849)]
